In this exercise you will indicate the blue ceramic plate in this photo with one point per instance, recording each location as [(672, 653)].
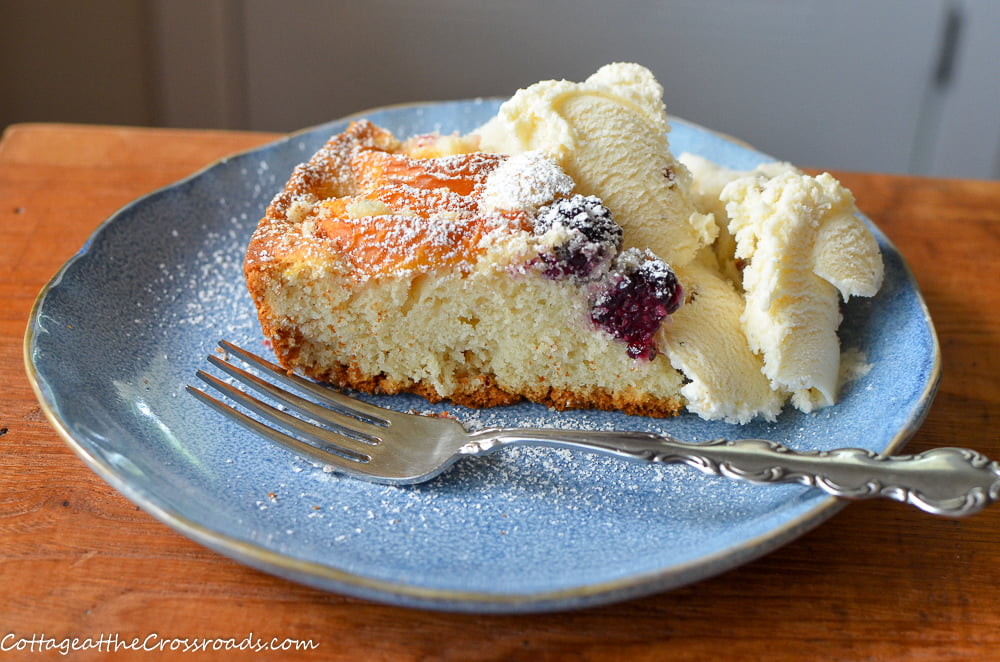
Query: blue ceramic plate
[(121, 329)]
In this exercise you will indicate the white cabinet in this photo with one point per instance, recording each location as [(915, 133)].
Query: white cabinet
[(892, 85), (964, 128), (883, 85), (827, 84)]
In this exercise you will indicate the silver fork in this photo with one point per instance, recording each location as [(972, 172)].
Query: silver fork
[(386, 446)]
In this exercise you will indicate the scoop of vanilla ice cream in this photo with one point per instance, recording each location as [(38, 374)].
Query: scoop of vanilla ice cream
[(609, 133), (705, 340), (802, 241)]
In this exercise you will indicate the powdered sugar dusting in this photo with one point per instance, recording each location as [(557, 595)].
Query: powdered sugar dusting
[(525, 182)]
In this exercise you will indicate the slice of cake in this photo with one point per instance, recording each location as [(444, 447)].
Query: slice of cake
[(389, 266), (561, 254)]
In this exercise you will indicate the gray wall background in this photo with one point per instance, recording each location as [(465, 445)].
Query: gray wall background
[(905, 86)]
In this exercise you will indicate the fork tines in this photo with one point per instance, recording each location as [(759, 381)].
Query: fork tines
[(343, 426)]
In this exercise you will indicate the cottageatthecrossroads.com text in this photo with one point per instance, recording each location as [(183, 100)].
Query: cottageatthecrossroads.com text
[(152, 643)]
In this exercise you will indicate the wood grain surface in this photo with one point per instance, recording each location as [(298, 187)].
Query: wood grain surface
[(879, 581)]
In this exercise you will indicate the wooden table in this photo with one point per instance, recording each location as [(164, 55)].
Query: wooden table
[(879, 581)]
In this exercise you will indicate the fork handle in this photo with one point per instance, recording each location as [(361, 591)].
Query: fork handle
[(942, 481)]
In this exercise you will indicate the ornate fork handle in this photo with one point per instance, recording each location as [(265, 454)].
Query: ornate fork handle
[(943, 481)]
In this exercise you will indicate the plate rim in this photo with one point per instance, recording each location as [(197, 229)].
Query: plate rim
[(441, 599)]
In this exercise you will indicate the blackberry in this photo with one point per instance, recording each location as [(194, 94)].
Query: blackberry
[(585, 213), (589, 237), (635, 297)]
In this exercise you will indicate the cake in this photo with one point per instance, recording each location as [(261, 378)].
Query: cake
[(560, 254), (387, 266)]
